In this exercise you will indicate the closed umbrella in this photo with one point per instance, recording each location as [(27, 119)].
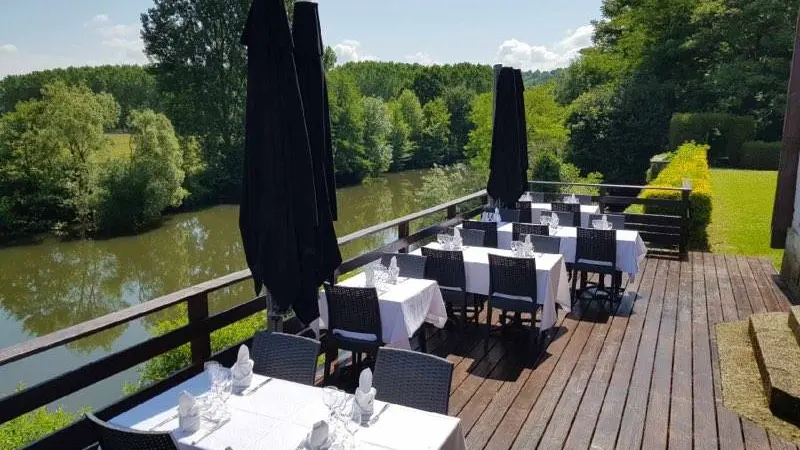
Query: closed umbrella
[(308, 51), (278, 214), (523, 127), (505, 175)]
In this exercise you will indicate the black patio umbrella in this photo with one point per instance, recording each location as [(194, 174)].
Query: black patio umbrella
[(505, 175), (308, 51), (278, 214), (523, 126)]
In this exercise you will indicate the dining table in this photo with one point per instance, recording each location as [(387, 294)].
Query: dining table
[(405, 306), (631, 249), (552, 286), (275, 414)]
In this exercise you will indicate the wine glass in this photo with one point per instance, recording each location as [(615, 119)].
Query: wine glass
[(515, 246), (224, 392), (441, 238), (544, 219), (352, 424), (330, 398)]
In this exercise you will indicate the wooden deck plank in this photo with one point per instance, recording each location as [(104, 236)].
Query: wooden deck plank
[(474, 372), (755, 438), (656, 425), (730, 430), (608, 422), (680, 423), (705, 421), (769, 271), (727, 301), (737, 285), (580, 433), (762, 284), (515, 416), (756, 301), (478, 436), (634, 414), (539, 416), (559, 425)]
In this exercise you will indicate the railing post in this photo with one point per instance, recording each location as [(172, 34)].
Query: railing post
[(685, 216), (402, 233), (451, 211), (198, 310), (601, 203)]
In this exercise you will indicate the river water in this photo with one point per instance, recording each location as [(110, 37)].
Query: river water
[(55, 284)]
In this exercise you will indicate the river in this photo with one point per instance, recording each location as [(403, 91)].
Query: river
[(56, 284)]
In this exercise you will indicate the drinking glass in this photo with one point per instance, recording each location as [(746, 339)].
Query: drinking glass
[(515, 246), (352, 424), (544, 219), (441, 239), (330, 397), (225, 390)]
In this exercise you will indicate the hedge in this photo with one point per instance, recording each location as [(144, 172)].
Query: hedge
[(690, 162), (724, 133), (760, 155)]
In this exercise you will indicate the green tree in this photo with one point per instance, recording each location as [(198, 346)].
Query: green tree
[(479, 144), (377, 127), (435, 136), (47, 158), (347, 128), (329, 58), (459, 104), (200, 68), (399, 137), (410, 109), (428, 84), (136, 193)]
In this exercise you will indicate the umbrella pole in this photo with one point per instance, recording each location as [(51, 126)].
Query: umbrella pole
[(491, 202), (275, 319)]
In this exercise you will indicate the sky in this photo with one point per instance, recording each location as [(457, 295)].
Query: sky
[(528, 34)]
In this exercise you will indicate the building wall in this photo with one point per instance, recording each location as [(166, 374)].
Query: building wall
[(790, 272)]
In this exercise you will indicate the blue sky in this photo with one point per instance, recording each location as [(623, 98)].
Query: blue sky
[(531, 34)]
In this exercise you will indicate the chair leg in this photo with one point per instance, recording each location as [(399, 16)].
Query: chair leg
[(488, 326), (423, 340), (331, 352), (464, 320), (574, 283)]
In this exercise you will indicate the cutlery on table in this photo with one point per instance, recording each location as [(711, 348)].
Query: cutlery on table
[(257, 387), (213, 429), (165, 421), (374, 418)]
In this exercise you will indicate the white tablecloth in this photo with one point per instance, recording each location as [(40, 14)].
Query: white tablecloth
[(586, 210), (631, 250), (551, 279), (404, 307), (279, 415)]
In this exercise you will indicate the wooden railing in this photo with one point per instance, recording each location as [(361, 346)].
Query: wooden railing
[(201, 324)]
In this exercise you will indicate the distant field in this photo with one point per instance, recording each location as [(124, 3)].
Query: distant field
[(118, 150), (742, 213)]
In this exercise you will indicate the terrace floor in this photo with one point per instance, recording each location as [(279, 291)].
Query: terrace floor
[(644, 376)]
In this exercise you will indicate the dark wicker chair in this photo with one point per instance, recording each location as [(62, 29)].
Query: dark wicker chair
[(617, 220), (520, 229), (411, 266), (447, 269), (546, 244), (509, 215), (113, 437), (413, 379), (537, 197), (470, 237), (489, 229), (285, 356), (573, 208), (525, 212), (595, 252), (512, 288), (355, 310)]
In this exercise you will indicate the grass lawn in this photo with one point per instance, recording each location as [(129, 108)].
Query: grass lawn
[(118, 150), (742, 213)]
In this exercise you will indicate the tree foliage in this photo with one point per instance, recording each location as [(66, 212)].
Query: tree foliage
[(459, 104), (347, 128), (138, 191), (435, 137), (377, 128)]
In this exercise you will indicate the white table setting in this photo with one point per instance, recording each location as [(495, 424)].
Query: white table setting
[(551, 278), (631, 250), (206, 413), (405, 305)]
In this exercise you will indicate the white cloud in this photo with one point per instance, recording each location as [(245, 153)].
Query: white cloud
[(98, 19), (513, 52), (421, 58), (124, 39), (8, 48), (350, 50)]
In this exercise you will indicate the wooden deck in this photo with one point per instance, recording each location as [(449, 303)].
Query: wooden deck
[(645, 376)]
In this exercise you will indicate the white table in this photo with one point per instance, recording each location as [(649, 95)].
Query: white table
[(631, 250), (279, 415), (586, 210), (551, 278), (404, 307)]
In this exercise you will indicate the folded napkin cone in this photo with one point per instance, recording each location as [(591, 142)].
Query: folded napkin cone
[(365, 395), (242, 370), (318, 436), (188, 413)]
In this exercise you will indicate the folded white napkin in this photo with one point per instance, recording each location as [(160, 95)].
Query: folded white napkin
[(188, 413), (318, 437), (242, 370), (365, 395)]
